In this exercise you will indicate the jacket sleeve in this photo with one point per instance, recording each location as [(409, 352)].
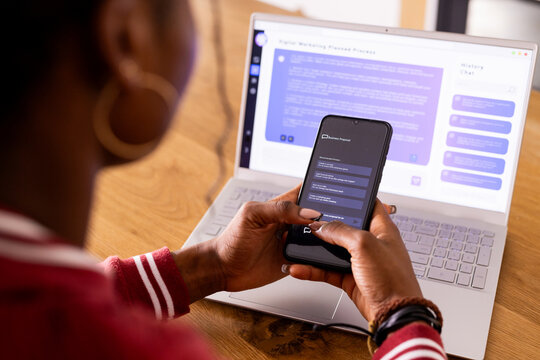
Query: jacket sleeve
[(152, 280), (414, 341)]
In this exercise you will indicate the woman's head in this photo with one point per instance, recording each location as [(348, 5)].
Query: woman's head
[(95, 39)]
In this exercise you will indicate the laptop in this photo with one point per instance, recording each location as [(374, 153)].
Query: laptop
[(457, 105)]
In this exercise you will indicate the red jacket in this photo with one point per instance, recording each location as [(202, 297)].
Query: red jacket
[(57, 302)]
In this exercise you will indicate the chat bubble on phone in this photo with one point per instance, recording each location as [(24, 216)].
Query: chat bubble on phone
[(349, 220), (344, 168), (335, 201), (470, 122), (481, 181), (483, 105), (474, 162), (477, 142), (341, 179), (339, 190)]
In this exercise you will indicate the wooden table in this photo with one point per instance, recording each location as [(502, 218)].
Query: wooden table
[(158, 201)]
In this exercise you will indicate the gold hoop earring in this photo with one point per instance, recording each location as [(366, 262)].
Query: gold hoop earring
[(108, 97)]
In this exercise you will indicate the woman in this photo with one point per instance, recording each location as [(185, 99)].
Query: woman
[(91, 84)]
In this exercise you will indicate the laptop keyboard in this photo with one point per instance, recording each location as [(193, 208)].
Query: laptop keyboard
[(238, 197), (444, 252)]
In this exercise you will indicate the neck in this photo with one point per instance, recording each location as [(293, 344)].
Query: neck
[(50, 159), (51, 193)]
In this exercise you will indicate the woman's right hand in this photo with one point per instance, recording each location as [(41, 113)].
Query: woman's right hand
[(381, 267)]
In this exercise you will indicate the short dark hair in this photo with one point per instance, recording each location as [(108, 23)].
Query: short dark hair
[(32, 33)]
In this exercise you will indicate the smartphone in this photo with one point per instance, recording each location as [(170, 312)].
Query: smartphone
[(341, 182)]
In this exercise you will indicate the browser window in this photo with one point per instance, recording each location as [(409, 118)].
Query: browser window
[(456, 108)]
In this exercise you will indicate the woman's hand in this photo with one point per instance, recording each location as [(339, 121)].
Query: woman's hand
[(251, 247), (248, 254), (381, 268)]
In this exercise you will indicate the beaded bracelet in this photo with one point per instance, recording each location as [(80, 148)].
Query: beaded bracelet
[(400, 312)]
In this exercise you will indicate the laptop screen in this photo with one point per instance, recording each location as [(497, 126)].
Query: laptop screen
[(457, 108)]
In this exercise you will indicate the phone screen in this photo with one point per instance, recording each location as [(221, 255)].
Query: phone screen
[(341, 182)]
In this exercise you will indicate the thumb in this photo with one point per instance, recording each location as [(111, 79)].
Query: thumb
[(338, 233), (280, 211)]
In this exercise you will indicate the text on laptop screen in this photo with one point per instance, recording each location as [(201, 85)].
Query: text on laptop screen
[(456, 108)]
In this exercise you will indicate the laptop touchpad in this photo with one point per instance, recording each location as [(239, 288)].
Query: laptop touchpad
[(293, 297)]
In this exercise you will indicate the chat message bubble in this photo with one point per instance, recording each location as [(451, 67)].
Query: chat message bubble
[(481, 181), (477, 142), (469, 122), (349, 220), (344, 168), (339, 190), (307, 86), (335, 201), (474, 162), (483, 105), (341, 179)]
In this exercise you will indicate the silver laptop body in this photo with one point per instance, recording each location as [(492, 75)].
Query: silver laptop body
[(457, 104)]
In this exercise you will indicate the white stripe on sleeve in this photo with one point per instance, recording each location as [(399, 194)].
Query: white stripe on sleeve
[(421, 353), (411, 343), (161, 283), (149, 287)]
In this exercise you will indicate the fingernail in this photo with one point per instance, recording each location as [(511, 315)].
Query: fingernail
[(318, 218), (310, 214), (314, 226), (393, 209), (285, 268)]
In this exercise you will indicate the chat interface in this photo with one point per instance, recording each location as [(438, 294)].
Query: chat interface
[(457, 110), (343, 167)]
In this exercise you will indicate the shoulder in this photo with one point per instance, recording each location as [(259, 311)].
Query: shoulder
[(69, 313)]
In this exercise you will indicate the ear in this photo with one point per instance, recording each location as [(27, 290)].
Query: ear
[(140, 55), (124, 38)]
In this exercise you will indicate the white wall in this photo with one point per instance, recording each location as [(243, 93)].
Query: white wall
[(373, 12), (509, 19)]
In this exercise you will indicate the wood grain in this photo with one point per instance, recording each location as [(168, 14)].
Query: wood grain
[(158, 201)]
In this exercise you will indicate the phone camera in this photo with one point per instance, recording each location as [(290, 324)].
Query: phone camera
[(356, 122)]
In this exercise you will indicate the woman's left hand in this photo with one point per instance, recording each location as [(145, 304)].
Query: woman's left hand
[(250, 249), (249, 253)]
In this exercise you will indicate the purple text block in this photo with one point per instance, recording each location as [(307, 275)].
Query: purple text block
[(335, 201), (344, 168), (474, 162), (341, 179), (339, 190), (308, 86), (486, 182), (484, 105), (469, 122), (477, 142)]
